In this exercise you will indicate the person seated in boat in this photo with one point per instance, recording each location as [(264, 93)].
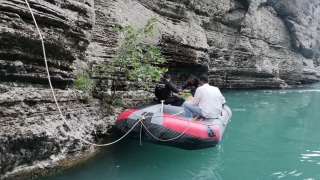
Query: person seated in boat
[(192, 84), (166, 91), (207, 102)]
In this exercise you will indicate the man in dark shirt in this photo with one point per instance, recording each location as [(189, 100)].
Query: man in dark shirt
[(163, 92), (193, 84)]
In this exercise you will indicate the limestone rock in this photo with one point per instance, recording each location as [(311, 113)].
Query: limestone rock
[(31, 130), (255, 40), (238, 43)]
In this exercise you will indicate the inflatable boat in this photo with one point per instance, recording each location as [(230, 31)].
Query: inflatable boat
[(166, 125)]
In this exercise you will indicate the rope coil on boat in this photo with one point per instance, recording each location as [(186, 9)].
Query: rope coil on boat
[(140, 118)]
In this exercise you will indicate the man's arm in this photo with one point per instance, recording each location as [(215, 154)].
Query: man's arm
[(172, 88), (176, 95), (197, 97)]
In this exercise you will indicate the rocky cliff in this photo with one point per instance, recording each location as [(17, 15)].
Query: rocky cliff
[(239, 43), (33, 137)]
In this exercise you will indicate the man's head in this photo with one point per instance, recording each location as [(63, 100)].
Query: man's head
[(191, 79), (204, 79), (166, 77)]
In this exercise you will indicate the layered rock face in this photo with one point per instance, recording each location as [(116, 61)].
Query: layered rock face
[(239, 43), (33, 136)]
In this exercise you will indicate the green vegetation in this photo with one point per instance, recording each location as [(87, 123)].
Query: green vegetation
[(84, 83), (185, 95), (136, 66)]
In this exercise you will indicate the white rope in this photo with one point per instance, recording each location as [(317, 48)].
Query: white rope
[(140, 119), (141, 134), (166, 139), (53, 93), (172, 115)]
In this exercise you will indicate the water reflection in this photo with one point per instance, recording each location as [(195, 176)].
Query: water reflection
[(311, 156), (285, 173)]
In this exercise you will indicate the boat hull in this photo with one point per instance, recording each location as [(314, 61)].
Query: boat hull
[(171, 128)]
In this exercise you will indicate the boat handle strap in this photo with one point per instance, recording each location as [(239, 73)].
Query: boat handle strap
[(210, 131)]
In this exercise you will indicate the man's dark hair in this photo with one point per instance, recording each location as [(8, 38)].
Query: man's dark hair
[(166, 76), (191, 76), (204, 78)]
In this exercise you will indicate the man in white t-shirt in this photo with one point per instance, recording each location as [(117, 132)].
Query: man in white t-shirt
[(207, 102)]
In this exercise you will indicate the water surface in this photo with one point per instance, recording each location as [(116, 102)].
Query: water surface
[(274, 134)]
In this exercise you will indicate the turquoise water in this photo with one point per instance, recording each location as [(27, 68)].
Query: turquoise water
[(274, 134)]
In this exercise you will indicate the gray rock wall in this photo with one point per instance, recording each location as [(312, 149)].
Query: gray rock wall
[(239, 43), (33, 137)]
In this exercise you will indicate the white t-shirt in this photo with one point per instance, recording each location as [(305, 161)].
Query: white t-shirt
[(210, 100)]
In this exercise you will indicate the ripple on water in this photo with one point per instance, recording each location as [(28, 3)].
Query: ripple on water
[(311, 157), (272, 92), (238, 109), (285, 173), (311, 154)]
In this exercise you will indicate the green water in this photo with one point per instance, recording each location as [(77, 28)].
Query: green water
[(274, 134)]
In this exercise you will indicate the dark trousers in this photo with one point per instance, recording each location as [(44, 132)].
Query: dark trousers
[(174, 101)]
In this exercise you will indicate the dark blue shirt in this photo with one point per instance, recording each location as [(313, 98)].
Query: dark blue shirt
[(163, 90)]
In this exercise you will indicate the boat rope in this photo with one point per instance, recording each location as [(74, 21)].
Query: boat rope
[(141, 134), (140, 118), (167, 139), (142, 124), (53, 93)]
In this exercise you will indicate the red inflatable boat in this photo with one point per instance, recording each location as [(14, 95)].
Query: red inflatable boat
[(171, 128)]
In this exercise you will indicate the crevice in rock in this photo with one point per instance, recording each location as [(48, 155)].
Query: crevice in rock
[(245, 3), (87, 3), (295, 43), (47, 11), (42, 21), (57, 82), (251, 74), (180, 71), (54, 49), (51, 1), (231, 25), (264, 4), (168, 9), (35, 61), (75, 8)]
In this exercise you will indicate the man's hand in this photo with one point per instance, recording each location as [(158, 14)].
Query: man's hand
[(186, 91), (174, 94)]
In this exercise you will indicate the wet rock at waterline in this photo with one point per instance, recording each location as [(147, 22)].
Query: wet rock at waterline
[(240, 44), (33, 137), (32, 130)]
